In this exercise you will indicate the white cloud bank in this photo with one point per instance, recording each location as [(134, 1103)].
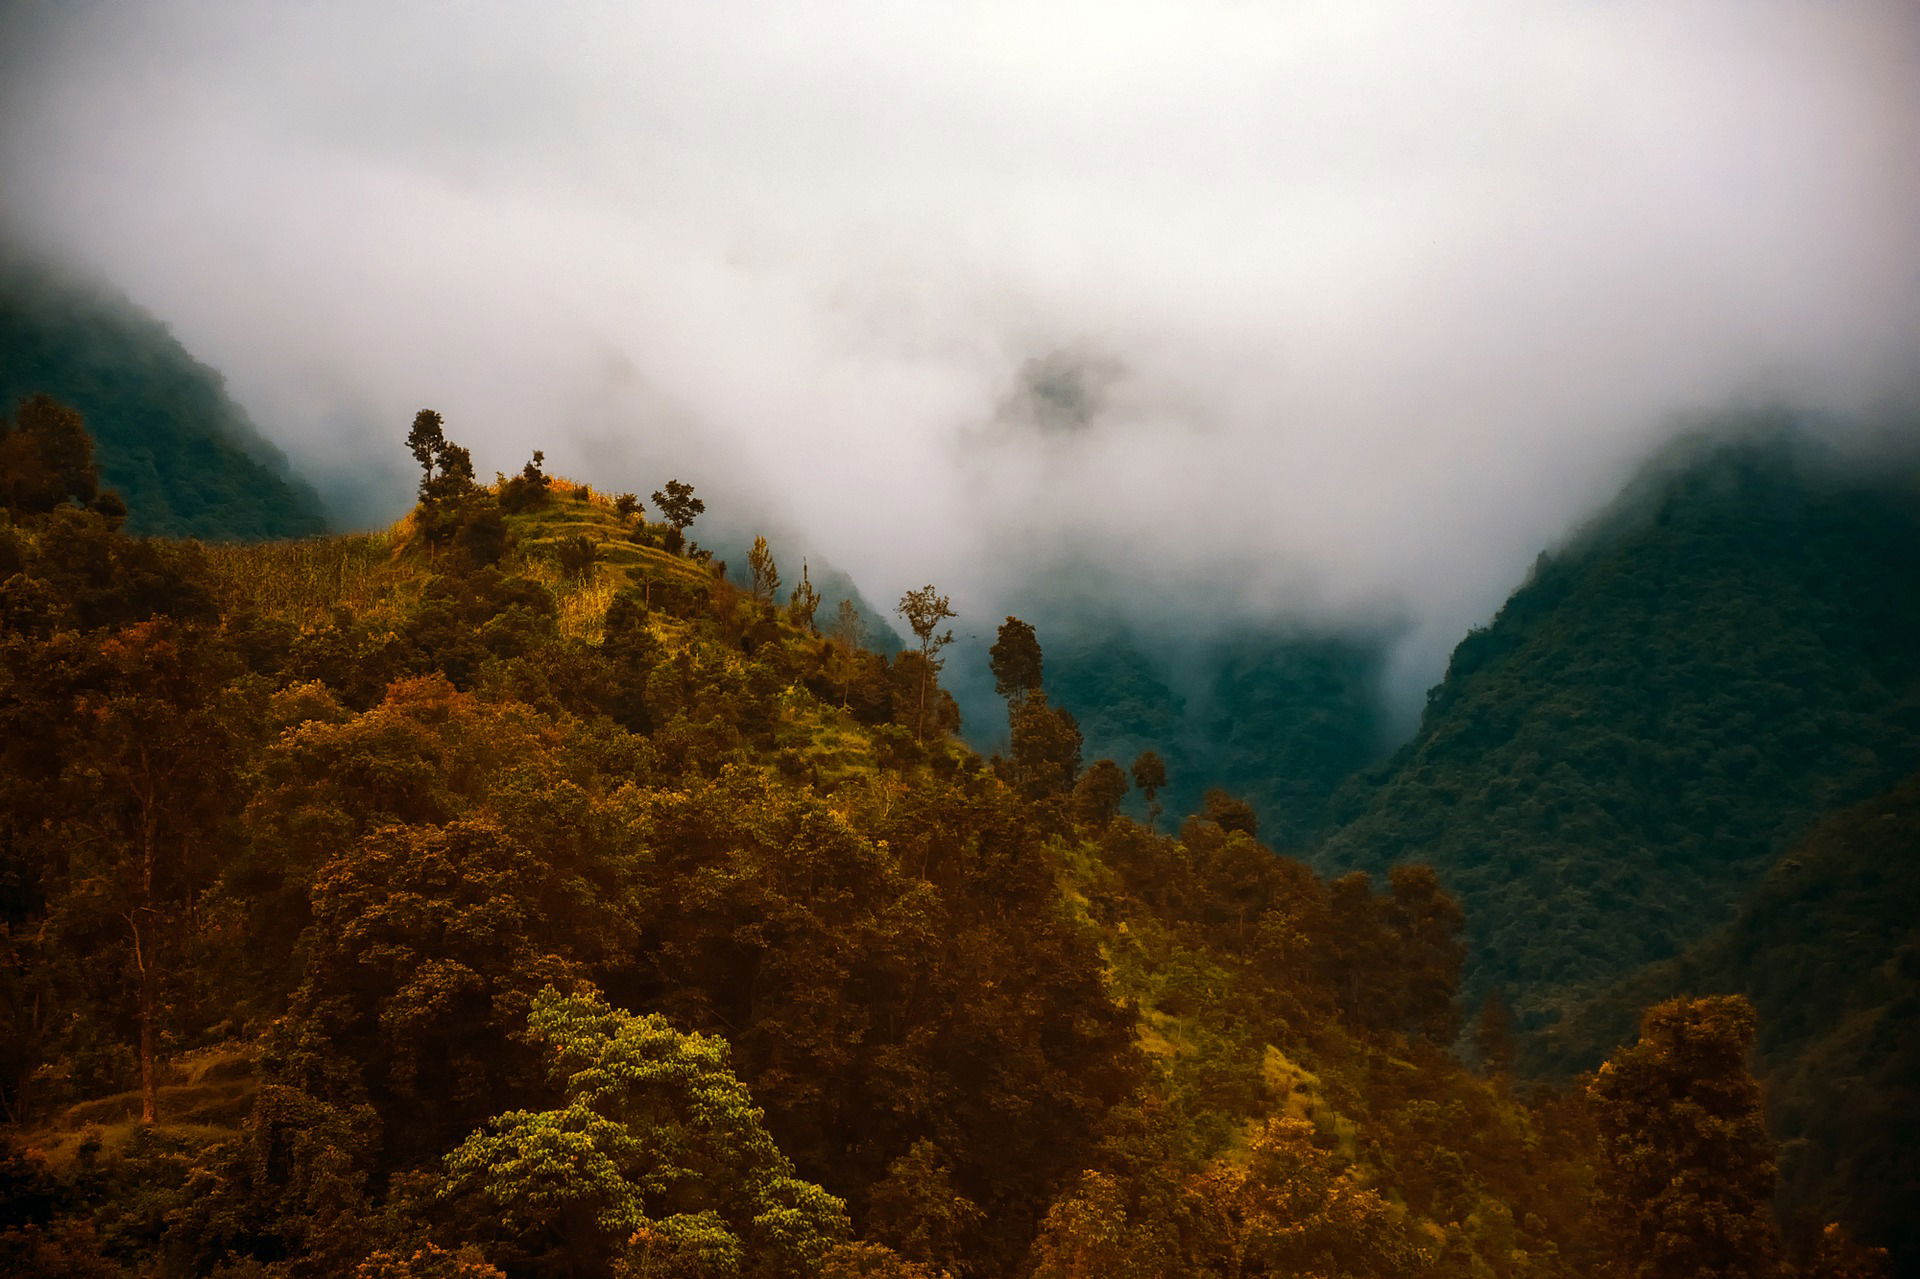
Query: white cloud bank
[(1380, 298)]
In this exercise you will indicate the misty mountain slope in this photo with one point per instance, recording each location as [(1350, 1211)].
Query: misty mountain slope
[(183, 455), (731, 547), (1665, 706), (1827, 947), (1279, 720)]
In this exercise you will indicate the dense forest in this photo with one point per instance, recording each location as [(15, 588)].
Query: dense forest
[(507, 893), (1827, 947), (184, 456), (1278, 718), (1670, 702)]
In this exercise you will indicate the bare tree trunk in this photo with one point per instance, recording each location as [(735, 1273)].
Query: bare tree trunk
[(143, 962), (920, 727), (143, 946)]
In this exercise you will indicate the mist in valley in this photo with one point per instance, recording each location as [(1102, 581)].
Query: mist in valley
[(1180, 319)]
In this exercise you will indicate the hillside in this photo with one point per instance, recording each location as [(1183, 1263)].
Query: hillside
[(1656, 715), (184, 456), (1280, 720), (507, 894), (1827, 947)]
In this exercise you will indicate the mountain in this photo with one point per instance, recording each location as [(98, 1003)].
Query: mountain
[(184, 456), (1827, 947), (1665, 706), (507, 894), (1277, 719)]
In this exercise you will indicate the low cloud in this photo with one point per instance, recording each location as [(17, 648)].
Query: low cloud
[(1269, 311)]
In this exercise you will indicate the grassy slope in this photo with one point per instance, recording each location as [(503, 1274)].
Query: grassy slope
[(380, 573)]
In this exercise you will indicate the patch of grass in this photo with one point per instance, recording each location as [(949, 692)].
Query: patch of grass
[(204, 1097), (624, 553), (303, 581)]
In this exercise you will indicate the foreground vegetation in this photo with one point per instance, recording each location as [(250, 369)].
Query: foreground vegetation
[(508, 894)]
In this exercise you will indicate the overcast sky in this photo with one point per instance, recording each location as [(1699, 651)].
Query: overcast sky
[(1327, 309)]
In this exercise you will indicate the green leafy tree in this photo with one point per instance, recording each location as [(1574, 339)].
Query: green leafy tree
[(454, 480), (528, 490), (924, 610), (479, 531), (457, 855), (1086, 1235), (656, 1161), (1687, 1171), (865, 1260), (627, 507)]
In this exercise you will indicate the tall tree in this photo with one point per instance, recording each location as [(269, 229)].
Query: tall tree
[(1150, 777), (1426, 924), (1687, 1171), (46, 457), (528, 490), (1097, 796), (924, 610), (455, 479), (677, 505), (1493, 1036), (1015, 660), (150, 778), (426, 440), (849, 628), (1287, 1211), (765, 574), (1229, 812), (804, 601), (1046, 744), (847, 632)]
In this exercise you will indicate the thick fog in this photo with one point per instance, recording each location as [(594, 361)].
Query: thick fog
[(1337, 311)]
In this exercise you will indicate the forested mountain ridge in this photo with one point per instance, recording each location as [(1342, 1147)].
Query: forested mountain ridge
[(1279, 718), (1827, 946), (508, 894), (1656, 715), (184, 456)]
